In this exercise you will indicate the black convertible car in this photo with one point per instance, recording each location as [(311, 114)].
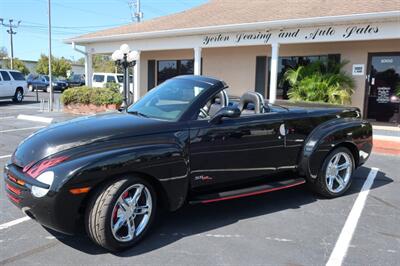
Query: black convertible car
[(183, 142)]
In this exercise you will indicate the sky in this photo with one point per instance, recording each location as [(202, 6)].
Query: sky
[(71, 18)]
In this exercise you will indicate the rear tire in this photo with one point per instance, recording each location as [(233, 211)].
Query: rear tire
[(117, 217), (335, 175), (18, 96)]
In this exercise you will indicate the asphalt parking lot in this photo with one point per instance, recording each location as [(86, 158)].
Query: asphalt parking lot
[(291, 227)]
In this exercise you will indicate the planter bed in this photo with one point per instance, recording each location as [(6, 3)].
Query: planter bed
[(77, 108)]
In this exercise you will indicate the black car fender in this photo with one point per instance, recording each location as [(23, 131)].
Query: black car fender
[(353, 133), (163, 165)]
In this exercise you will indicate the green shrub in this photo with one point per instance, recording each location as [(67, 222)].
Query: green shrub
[(317, 82), (87, 95), (113, 86)]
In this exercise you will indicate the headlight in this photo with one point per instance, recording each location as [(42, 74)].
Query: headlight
[(54, 84), (47, 178)]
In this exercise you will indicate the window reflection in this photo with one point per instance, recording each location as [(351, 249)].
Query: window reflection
[(167, 69), (291, 62)]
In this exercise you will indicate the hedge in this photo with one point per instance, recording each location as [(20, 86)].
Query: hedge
[(88, 95)]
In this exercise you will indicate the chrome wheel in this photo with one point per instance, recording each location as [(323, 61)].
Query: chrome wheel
[(131, 213), (19, 96), (338, 172)]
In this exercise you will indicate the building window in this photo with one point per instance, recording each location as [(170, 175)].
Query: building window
[(290, 62), (167, 69)]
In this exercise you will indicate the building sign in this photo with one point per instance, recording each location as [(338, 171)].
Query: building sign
[(383, 95), (368, 31), (388, 30), (358, 69)]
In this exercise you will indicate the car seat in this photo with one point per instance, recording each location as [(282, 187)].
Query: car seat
[(251, 103)]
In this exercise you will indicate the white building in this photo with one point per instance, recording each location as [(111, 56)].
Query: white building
[(250, 44)]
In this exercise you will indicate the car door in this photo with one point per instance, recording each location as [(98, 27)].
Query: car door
[(2, 87), (44, 83), (7, 84), (98, 80), (38, 83), (236, 150)]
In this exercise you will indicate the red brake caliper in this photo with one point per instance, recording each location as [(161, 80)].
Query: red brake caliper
[(116, 209)]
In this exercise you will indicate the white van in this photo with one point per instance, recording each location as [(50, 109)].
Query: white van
[(12, 85), (100, 79)]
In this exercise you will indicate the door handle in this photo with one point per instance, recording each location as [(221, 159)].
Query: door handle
[(282, 130)]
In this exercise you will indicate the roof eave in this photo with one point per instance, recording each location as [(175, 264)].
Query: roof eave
[(239, 27)]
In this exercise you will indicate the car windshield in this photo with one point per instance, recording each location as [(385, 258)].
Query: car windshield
[(75, 78), (46, 78), (170, 99)]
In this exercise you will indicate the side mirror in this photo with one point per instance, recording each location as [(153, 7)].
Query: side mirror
[(228, 111)]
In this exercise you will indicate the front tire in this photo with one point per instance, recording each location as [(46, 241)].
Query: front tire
[(18, 96), (335, 175), (121, 213)]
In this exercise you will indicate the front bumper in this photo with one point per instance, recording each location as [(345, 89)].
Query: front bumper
[(60, 87), (57, 210)]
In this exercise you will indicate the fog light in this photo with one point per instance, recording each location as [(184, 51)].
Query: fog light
[(47, 178)]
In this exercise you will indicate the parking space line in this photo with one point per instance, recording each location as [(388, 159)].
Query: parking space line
[(35, 118), (20, 129), (23, 108), (5, 156), (343, 242), (14, 222)]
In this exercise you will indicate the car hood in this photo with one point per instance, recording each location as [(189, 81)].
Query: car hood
[(82, 131)]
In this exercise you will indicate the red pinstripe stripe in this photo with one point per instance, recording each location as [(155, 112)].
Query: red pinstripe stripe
[(13, 189), (253, 193), (13, 198)]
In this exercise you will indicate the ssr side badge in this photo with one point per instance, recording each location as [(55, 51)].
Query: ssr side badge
[(202, 178)]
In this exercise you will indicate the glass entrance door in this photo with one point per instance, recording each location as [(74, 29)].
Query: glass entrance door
[(383, 88)]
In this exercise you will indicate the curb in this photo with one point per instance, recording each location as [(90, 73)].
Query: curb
[(387, 128), (391, 147)]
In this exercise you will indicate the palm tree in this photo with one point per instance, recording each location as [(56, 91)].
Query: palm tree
[(319, 82)]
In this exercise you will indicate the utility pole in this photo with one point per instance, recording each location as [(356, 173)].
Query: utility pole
[(51, 100), (137, 15), (10, 31)]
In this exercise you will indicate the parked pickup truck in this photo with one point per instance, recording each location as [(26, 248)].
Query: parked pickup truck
[(183, 142)]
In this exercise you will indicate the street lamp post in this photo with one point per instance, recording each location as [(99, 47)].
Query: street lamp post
[(126, 58)]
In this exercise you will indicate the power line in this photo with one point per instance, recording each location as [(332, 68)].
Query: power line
[(11, 31), (73, 27)]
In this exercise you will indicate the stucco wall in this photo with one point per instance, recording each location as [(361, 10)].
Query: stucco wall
[(236, 65)]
